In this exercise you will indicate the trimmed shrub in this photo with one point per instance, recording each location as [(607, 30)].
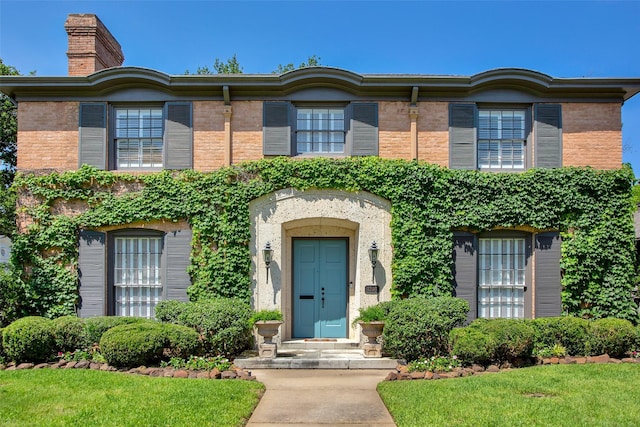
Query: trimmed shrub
[(472, 346), (614, 337), (181, 341), (170, 310), (29, 339), (96, 326), (134, 344), (70, 334), (223, 323), (513, 337), (419, 327), (1, 346), (570, 332)]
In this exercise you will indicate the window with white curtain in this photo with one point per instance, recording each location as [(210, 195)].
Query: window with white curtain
[(320, 130), (501, 139), (138, 134), (137, 278), (502, 275)]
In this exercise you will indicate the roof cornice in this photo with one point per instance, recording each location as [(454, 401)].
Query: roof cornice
[(275, 85)]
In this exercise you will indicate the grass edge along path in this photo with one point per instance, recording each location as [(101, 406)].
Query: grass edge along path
[(551, 395), (47, 397)]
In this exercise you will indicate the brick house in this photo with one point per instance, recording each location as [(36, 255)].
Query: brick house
[(142, 121)]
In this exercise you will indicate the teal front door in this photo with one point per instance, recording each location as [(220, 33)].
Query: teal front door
[(320, 288)]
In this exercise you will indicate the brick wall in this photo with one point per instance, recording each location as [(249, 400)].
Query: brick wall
[(592, 135), (246, 131), (433, 132), (394, 130), (48, 135), (208, 135)]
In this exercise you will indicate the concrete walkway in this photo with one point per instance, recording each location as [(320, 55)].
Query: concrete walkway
[(320, 397)]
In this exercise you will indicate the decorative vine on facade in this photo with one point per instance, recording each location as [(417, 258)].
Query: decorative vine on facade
[(592, 209)]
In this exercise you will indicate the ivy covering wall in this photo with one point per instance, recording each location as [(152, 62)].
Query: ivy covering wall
[(592, 209)]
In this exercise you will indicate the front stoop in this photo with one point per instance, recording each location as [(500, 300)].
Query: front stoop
[(307, 354)]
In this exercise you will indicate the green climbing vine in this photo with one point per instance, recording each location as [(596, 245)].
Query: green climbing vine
[(591, 208)]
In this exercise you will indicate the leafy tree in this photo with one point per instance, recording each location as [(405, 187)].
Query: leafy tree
[(230, 66), (312, 61), (8, 133)]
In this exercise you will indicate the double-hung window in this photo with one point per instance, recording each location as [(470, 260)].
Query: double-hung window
[(501, 139), (320, 130), (138, 138), (502, 274), (137, 278)]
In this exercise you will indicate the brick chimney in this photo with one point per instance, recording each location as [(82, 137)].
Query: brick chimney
[(91, 46)]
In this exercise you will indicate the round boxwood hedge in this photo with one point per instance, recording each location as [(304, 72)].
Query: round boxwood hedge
[(472, 346), (96, 326), (181, 341), (70, 334), (614, 337), (419, 327), (29, 339), (2, 355), (223, 323), (135, 344), (513, 338), (570, 332)]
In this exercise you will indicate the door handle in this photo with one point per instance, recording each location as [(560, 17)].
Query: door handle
[(322, 302)]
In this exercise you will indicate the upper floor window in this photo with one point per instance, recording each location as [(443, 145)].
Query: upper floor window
[(338, 129), (501, 139), (138, 137), (320, 130), (504, 139)]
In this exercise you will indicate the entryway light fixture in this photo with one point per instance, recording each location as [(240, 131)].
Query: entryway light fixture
[(373, 256), (267, 255)]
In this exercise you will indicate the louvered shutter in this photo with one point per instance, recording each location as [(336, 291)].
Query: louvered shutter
[(178, 136), (92, 148), (276, 129), (92, 273), (548, 287), (465, 270), (462, 136), (364, 129), (548, 136), (178, 251)]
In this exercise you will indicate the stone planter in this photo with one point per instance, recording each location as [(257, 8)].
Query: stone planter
[(268, 329), (372, 330)]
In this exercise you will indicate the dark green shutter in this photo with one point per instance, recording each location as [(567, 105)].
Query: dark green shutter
[(547, 282), (91, 271), (178, 138), (462, 136), (364, 129), (92, 148), (548, 136), (465, 270), (276, 129), (178, 251)]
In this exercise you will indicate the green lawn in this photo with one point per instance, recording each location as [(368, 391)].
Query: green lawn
[(92, 398), (555, 395)]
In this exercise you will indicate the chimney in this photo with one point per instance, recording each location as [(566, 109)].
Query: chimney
[(91, 46)]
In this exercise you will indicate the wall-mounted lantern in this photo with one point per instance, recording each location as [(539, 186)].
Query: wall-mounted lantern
[(267, 255), (373, 256)]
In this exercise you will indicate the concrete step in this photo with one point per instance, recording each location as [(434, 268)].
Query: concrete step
[(311, 358), (319, 344)]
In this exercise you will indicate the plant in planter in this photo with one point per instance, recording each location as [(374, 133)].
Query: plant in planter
[(267, 324), (371, 320)]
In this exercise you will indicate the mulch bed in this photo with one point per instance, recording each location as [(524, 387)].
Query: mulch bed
[(233, 373), (402, 371)]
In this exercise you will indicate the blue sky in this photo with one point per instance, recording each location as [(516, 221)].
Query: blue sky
[(559, 38)]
